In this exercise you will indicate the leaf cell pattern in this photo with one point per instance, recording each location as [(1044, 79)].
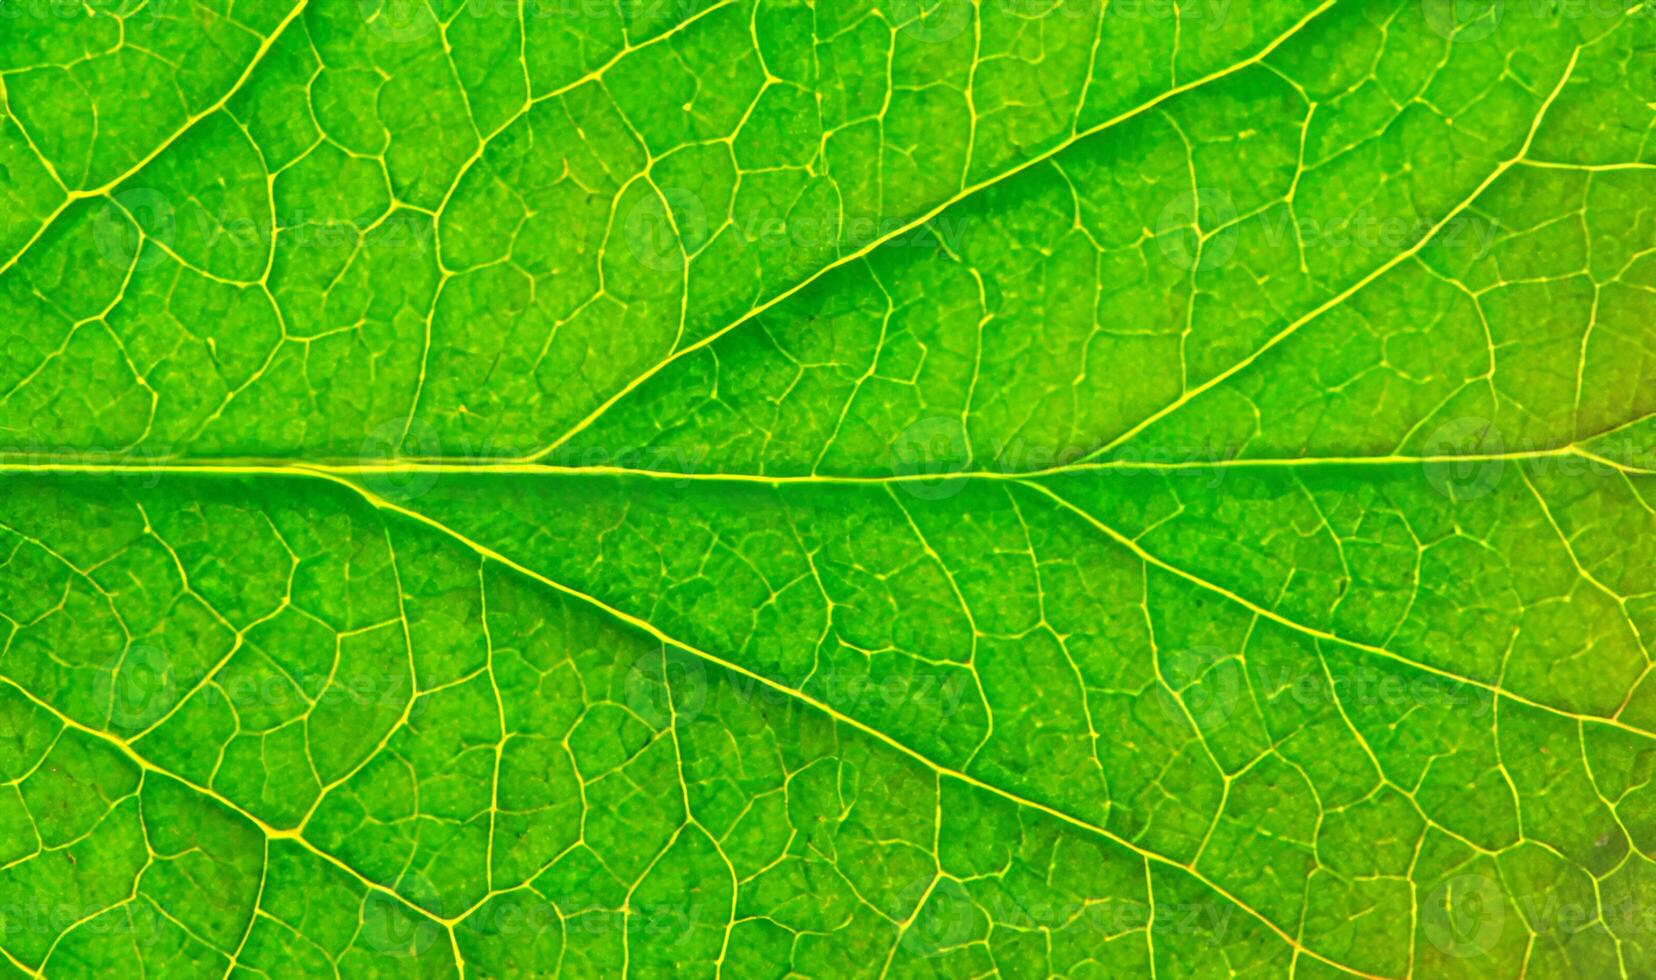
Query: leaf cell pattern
[(864, 487)]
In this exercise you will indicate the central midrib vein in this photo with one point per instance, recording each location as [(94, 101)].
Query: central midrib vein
[(463, 466)]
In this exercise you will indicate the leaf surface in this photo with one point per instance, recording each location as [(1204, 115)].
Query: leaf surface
[(897, 488)]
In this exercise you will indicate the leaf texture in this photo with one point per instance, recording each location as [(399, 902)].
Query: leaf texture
[(868, 487)]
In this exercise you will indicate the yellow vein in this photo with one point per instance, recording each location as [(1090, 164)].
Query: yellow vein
[(189, 124), (961, 195), (485, 467), (1345, 294), (387, 506), (270, 831), (1321, 634)]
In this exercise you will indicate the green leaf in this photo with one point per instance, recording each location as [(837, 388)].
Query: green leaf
[(890, 488)]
